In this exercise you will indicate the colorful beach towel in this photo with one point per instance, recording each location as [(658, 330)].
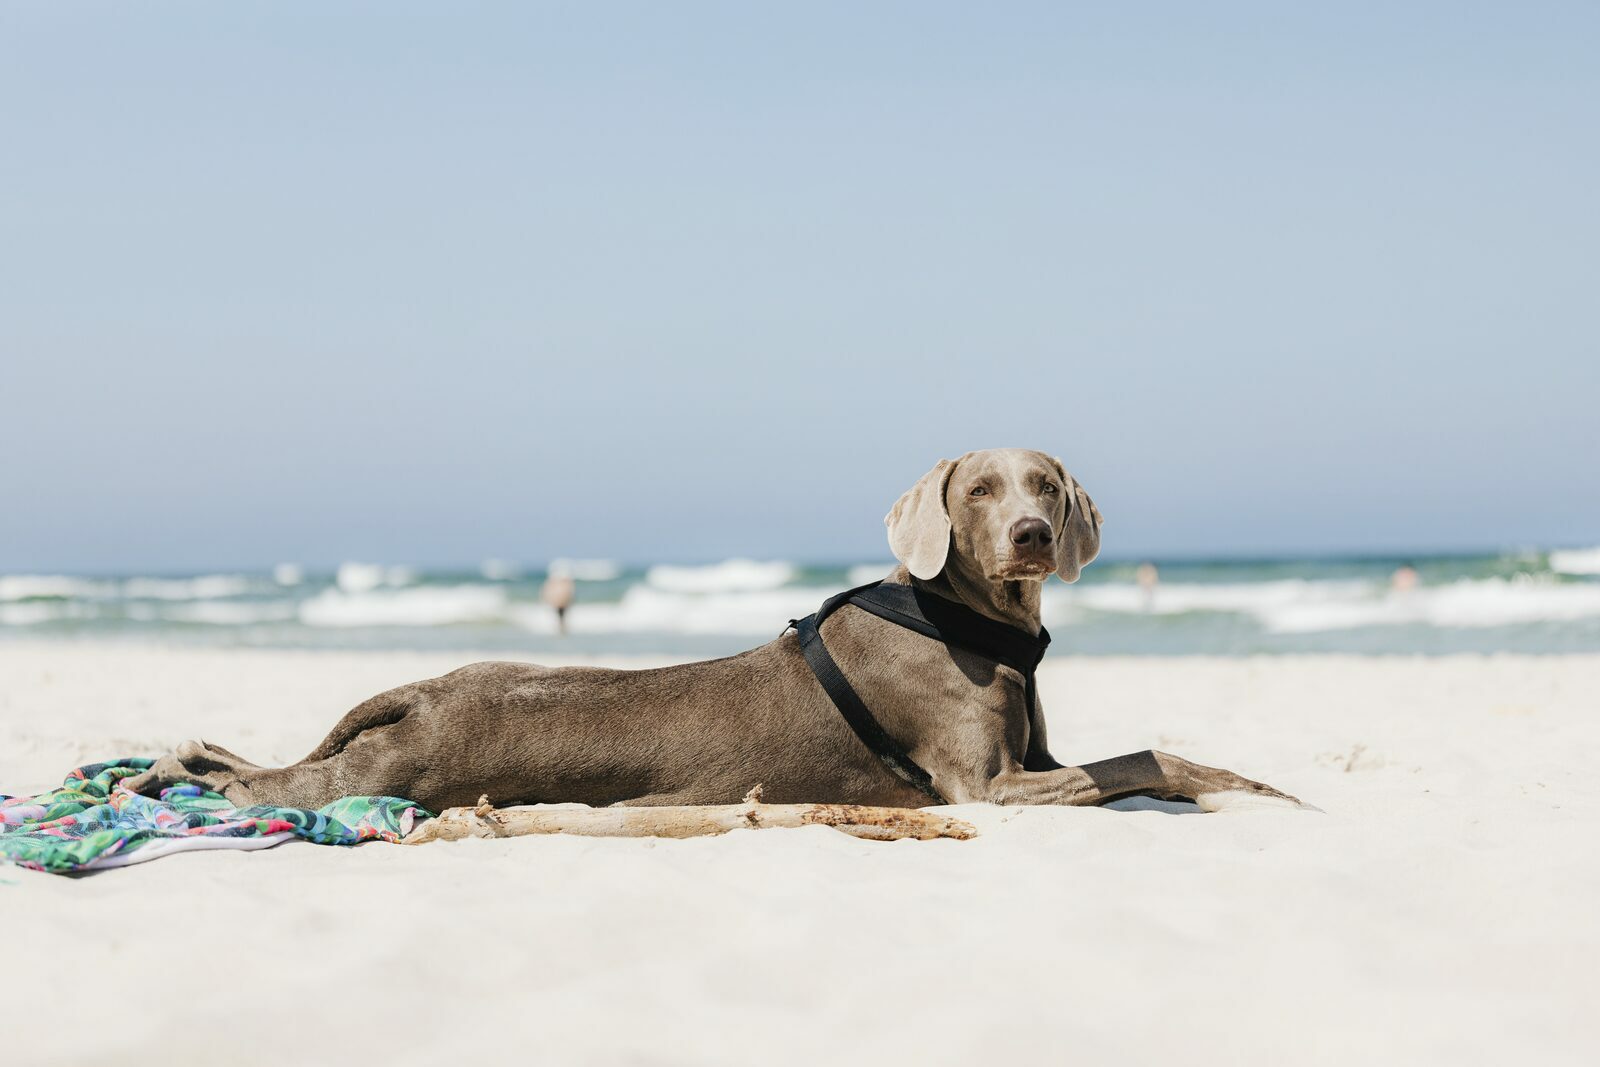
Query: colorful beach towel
[(92, 822)]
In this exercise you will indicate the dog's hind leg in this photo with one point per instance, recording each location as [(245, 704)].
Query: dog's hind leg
[(307, 784), (369, 752), (331, 771), (208, 766), (385, 709)]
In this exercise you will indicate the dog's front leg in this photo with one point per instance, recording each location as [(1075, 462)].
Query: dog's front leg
[(1148, 773)]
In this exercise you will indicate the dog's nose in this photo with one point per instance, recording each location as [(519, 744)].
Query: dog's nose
[(1029, 533)]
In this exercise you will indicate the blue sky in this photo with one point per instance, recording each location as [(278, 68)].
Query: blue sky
[(429, 284)]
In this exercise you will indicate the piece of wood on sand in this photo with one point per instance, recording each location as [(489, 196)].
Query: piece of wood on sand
[(874, 824)]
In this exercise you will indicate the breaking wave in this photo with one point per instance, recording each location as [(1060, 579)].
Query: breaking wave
[(422, 606), (1575, 561), (1527, 602), (1311, 606), (730, 576), (643, 609)]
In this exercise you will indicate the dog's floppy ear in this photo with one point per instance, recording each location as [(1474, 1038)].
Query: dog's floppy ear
[(1078, 542), (919, 523)]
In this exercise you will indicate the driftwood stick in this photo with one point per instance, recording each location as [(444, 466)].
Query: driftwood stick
[(874, 824)]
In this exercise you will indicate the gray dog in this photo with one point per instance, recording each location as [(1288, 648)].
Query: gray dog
[(984, 531)]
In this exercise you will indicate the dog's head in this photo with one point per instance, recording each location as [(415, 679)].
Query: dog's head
[(1007, 513)]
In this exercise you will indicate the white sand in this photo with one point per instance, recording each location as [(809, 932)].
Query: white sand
[(1443, 910)]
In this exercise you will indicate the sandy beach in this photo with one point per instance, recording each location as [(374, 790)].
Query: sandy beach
[(1246, 352), (1440, 910)]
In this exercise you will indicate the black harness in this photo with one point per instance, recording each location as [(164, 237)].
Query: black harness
[(932, 616)]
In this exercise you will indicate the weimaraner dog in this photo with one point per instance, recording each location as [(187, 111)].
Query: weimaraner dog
[(985, 531)]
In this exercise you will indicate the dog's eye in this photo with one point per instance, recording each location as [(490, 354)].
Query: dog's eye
[(1048, 487), (978, 490)]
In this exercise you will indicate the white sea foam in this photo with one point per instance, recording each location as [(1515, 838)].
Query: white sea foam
[(1288, 606), (418, 606), (499, 570), (1302, 606), (752, 600), (863, 573), (1464, 604), (1576, 561), (358, 577), (646, 610), (231, 612), (53, 586), (729, 576), (205, 587), (588, 570), (35, 612), (288, 574), (354, 577), (1177, 598)]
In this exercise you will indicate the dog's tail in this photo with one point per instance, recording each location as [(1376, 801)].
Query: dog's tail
[(385, 709)]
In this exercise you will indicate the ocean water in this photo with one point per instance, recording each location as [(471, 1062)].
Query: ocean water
[(1520, 602)]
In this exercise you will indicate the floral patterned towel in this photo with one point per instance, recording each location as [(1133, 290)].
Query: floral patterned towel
[(92, 822)]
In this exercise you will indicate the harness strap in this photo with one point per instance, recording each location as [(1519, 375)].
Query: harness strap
[(933, 617), (855, 712), (953, 624)]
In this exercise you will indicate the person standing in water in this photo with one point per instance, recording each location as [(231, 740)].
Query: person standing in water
[(1404, 579), (1148, 578), (558, 591)]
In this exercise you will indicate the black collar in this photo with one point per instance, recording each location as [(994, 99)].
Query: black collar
[(932, 616)]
